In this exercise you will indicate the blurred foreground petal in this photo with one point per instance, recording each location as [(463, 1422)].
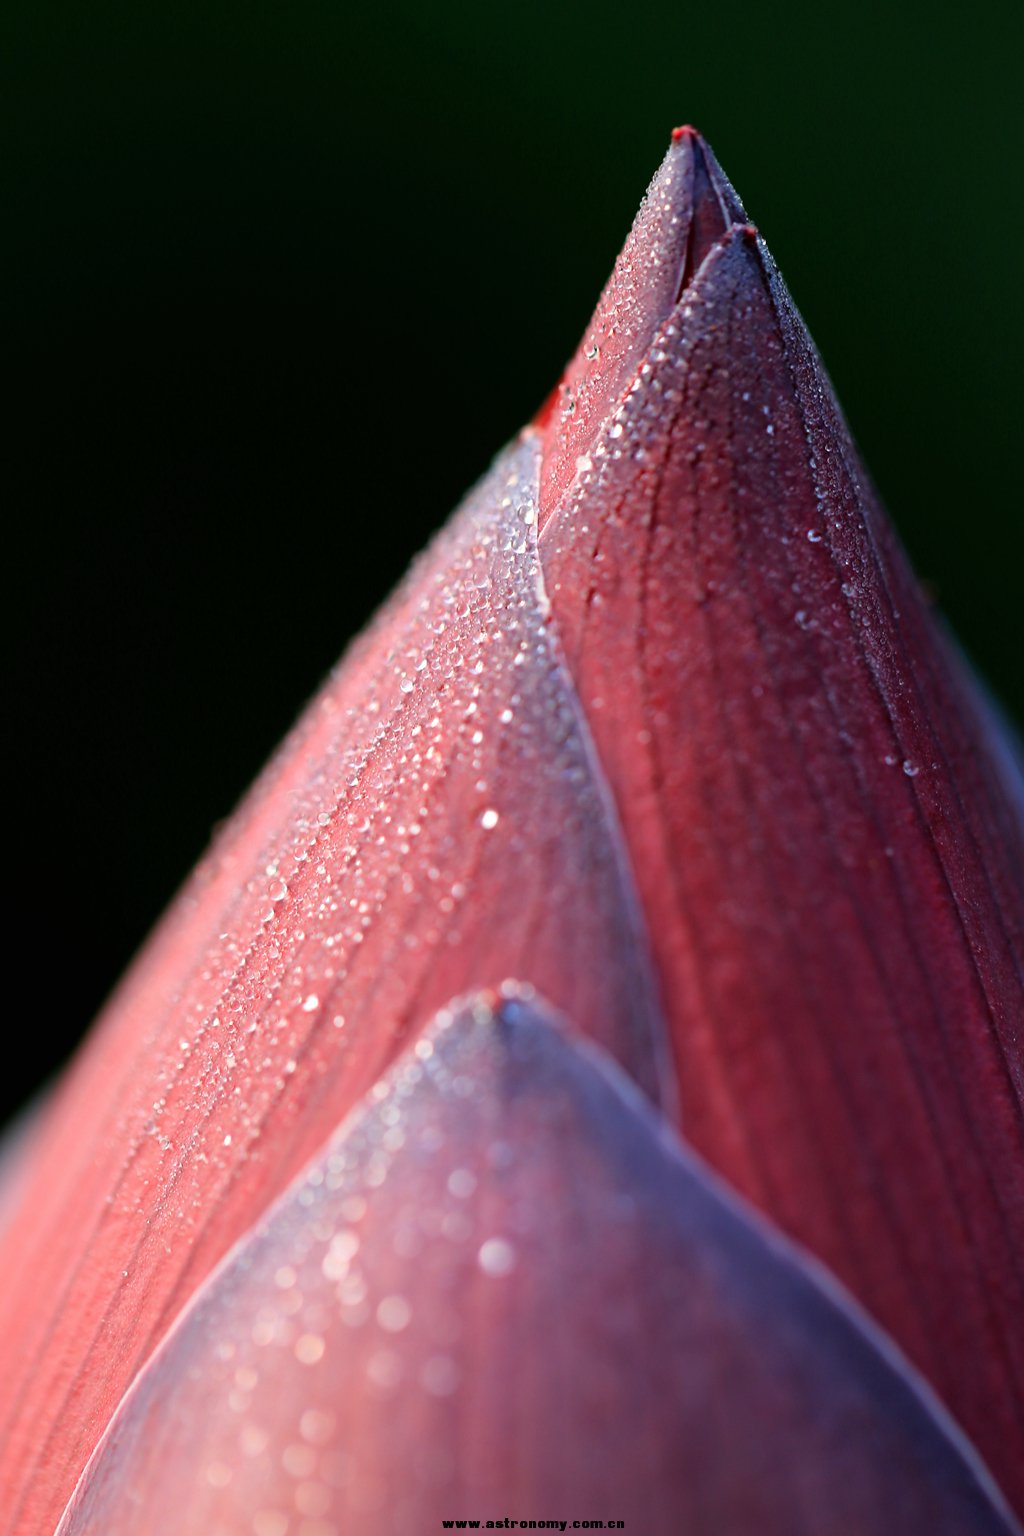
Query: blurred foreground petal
[(831, 861), (503, 1290)]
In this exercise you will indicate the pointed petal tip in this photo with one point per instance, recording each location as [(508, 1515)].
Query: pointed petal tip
[(745, 235), (687, 211), (732, 530)]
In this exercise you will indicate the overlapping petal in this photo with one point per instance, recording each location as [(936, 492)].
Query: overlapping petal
[(687, 208), (661, 724), (435, 821), (505, 1290), (828, 848)]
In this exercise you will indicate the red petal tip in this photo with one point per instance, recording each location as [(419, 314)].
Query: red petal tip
[(689, 208), (722, 580)]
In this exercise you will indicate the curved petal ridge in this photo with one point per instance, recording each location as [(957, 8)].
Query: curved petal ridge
[(505, 1287)]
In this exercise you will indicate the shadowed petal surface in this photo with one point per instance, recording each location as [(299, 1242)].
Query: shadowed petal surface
[(830, 858), (435, 821), (505, 1289)]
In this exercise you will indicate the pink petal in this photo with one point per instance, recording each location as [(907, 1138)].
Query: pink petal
[(828, 851), (688, 206), (16, 1152), (505, 1290), (434, 823), (830, 856)]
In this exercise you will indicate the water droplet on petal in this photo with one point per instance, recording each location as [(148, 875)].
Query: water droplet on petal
[(309, 1348), (393, 1314), (440, 1376), (497, 1257)]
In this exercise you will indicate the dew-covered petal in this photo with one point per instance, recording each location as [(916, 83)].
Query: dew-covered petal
[(435, 822), (687, 207), (830, 854), (506, 1290)]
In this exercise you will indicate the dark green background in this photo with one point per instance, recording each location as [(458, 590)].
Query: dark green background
[(280, 279)]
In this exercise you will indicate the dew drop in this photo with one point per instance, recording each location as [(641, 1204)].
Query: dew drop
[(440, 1376), (393, 1314), (496, 1257), (309, 1348), (461, 1183)]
